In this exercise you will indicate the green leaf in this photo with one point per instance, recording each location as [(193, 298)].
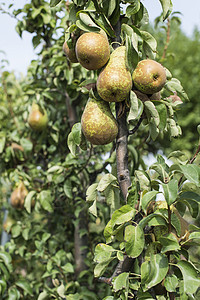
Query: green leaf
[(162, 111), (167, 8), (93, 208), (28, 201), (43, 296), (74, 138), (122, 215), (68, 188), (105, 181), (149, 44), (191, 172), (25, 285), (91, 193), (152, 112), (154, 271), (133, 112), (171, 283), (174, 85), (133, 8), (3, 286), (6, 259), (143, 179), (16, 230), (146, 199), (169, 243), (46, 200), (170, 191), (121, 282), (26, 144), (134, 237), (103, 253), (54, 2), (100, 268), (13, 294), (190, 277), (2, 142), (161, 170)]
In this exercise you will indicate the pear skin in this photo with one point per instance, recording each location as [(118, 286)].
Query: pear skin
[(37, 118), (92, 50), (18, 196), (115, 82), (70, 53), (98, 123), (149, 76)]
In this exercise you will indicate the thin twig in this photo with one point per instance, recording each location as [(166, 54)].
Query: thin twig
[(167, 39), (132, 131)]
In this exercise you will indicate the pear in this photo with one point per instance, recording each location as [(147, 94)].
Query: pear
[(18, 195), (70, 53), (149, 76), (115, 82), (37, 118), (98, 123), (92, 50)]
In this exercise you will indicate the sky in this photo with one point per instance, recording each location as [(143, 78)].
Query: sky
[(19, 51)]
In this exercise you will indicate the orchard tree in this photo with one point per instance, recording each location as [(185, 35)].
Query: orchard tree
[(85, 217)]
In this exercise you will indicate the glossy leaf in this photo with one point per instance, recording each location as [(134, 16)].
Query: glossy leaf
[(170, 191), (154, 272), (122, 215), (191, 278), (169, 243), (134, 237), (121, 282), (147, 198)]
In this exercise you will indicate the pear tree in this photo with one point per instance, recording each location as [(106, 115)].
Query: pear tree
[(94, 217)]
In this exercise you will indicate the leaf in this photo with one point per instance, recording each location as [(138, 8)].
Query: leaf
[(61, 291), (133, 8), (143, 179), (25, 285), (174, 85), (190, 277), (167, 8), (162, 111), (121, 282), (105, 181), (91, 193), (134, 238), (171, 283), (93, 208), (103, 252), (28, 201), (133, 112), (100, 268), (169, 243), (146, 199), (68, 188), (154, 272), (7, 260), (161, 170), (13, 294), (54, 2), (43, 296), (46, 200), (74, 138), (170, 191), (3, 286), (191, 172), (26, 144), (122, 215), (149, 44), (2, 142), (152, 112)]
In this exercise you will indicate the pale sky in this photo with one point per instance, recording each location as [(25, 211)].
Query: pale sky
[(19, 52)]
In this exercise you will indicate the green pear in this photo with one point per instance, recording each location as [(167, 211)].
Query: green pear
[(92, 50), (115, 82), (149, 76), (37, 118), (70, 53), (98, 123)]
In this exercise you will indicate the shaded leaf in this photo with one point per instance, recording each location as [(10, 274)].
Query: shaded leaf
[(190, 276)]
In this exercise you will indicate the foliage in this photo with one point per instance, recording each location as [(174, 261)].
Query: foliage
[(75, 225)]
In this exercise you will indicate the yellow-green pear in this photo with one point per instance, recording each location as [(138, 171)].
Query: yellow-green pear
[(92, 50), (38, 118), (149, 76), (70, 53), (115, 82), (98, 123), (18, 195)]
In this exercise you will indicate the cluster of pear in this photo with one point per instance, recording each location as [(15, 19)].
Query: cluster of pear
[(114, 82)]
